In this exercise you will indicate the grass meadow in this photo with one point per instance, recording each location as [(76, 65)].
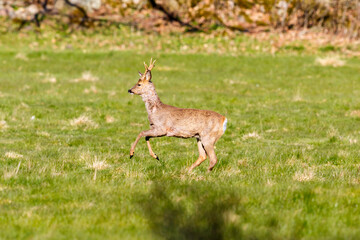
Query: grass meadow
[(288, 163)]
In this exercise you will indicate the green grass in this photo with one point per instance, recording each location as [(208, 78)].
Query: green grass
[(288, 163)]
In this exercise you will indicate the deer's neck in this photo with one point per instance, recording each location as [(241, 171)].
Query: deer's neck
[(152, 102)]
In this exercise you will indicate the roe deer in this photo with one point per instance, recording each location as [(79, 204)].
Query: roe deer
[(165, 120)]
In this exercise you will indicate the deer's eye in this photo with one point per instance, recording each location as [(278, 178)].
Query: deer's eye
[(139, 84)]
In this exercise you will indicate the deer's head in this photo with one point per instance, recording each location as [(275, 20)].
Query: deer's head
[(144, 83)]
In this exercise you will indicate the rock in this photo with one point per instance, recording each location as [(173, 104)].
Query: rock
[(26, 13), (89, 5)]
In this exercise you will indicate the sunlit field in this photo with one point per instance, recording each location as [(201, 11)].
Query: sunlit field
[(288, 163)]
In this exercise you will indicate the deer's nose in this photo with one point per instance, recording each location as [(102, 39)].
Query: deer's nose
[(129, 91)]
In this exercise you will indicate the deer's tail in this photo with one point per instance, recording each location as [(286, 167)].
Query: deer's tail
[(224, 125)]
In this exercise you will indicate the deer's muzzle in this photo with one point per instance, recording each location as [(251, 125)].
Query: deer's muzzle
[(129, 91)]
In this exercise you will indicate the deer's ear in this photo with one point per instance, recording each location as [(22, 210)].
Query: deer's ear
[(148, 76), (140, 74)]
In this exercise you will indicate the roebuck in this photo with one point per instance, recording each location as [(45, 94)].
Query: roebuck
[(165, 120)]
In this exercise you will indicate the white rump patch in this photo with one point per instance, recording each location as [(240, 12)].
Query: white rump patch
[(224, 125)]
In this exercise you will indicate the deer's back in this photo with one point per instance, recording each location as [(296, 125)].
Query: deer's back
[(187, 122)]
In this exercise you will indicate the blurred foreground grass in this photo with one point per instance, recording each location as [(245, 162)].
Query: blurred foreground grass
[(288, 163)]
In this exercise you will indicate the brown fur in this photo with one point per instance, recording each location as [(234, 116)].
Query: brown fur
[(165, 120)]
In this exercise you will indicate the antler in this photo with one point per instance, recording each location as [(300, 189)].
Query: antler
[(151, 66)]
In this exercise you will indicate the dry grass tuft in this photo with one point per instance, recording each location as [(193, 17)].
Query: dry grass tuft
[(92, 89), (3, 125), (271, 130), (56, 174), (43, 134), (232, 217), (297, 97), (21, 56), (251, 135), (83, 122), (13, 155), (305, 176), (243, 162), (109, 119), (50, 79), (355, 113), (350, 139), (86, 77), (269, 183), (333, 132), (343, 153), (92, 161), (291, 161), (333, 61), (85, 157), (98, 164), (10, 174)]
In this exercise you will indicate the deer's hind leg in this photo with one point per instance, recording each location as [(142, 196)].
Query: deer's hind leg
[(209, 145), (202, 155)]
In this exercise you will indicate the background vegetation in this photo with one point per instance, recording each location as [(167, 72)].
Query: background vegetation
[(337, 16)]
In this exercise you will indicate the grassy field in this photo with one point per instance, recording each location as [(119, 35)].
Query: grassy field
[(288, 163)]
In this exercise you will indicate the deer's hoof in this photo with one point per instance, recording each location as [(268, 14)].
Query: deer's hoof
[(157, 158), (131, 156)]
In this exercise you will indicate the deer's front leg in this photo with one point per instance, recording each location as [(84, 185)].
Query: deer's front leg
[(148, 134), (150, 150)]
